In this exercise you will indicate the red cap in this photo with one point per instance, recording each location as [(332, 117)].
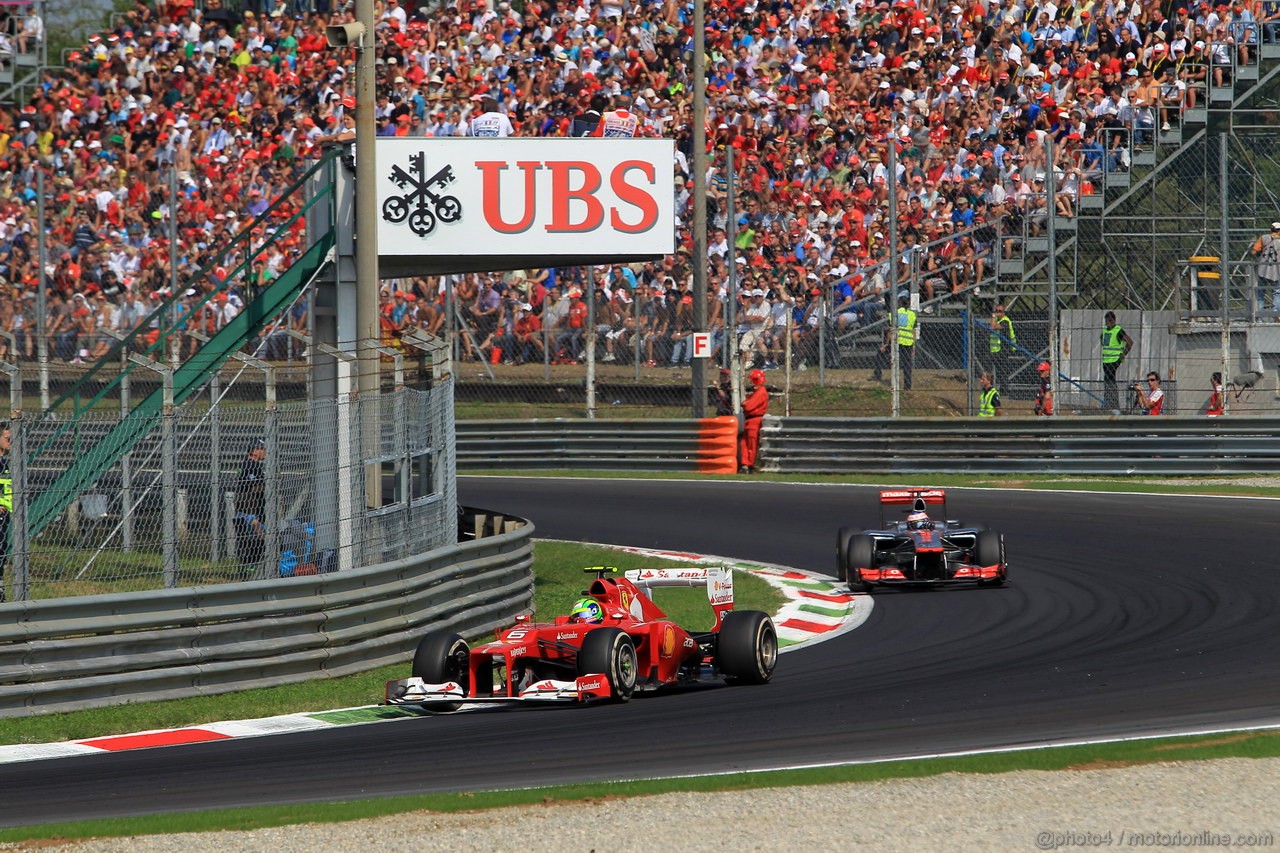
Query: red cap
[(1044, 365)]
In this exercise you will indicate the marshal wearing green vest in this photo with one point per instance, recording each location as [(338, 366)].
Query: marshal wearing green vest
[(989, 398), (904, 335), (1001, 331), (1116, 344)]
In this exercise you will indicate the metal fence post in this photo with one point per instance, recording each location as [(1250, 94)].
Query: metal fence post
[(891, 161), (349, 485), (968, 346), (590, 342), (822, 334), (215, 467), (126, 461), (1051, 208), (271, 488), (17, 547), (437, 348), (401, 415), (168, 472)]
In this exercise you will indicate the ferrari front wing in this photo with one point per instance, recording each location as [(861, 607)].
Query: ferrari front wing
[(415, 691)]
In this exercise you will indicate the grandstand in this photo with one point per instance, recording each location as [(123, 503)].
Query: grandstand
[(175, 128)]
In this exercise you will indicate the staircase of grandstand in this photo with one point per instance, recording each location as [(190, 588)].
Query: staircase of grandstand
[(1121, 247), (59, 433), (20, 69), (1122, 244)]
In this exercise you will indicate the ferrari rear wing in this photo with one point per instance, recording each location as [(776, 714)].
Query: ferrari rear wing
[(718, 581)]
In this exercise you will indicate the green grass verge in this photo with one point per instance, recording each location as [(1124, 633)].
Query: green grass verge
[(559, 579), (1099, 756), (1241, 485)]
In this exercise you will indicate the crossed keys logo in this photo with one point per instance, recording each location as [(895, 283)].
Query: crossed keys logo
[(420, 205)]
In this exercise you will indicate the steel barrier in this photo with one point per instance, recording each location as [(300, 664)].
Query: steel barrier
[(880, 445), (73, 653), (1174, 446), (707, 445)]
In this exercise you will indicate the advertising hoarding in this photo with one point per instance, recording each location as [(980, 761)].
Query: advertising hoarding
[(461, 204)]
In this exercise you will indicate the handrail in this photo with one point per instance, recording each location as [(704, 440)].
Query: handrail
[(166, 308)]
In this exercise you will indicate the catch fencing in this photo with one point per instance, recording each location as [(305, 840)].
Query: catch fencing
[(232, 487), (851, 371), (68, 654)]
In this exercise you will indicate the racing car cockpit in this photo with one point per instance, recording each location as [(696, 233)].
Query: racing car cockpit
[(919, 520)]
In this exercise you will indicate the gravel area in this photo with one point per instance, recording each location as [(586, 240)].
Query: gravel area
[(1185, 805)]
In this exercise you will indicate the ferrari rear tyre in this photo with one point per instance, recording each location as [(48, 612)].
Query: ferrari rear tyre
[(610, 651), (861, 554), (989, 551), (443, 656), (747, 647)]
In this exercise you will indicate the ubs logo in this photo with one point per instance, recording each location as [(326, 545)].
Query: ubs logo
[(423, 202)]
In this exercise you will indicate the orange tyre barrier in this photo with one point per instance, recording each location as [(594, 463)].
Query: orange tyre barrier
[(718, 445)]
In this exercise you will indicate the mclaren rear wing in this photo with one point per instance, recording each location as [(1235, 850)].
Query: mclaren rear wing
[(911, 499)]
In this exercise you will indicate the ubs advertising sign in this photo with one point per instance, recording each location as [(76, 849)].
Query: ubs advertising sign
[(461, 204)]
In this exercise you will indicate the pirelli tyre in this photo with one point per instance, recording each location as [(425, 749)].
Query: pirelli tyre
[(860, 553), (747, 647), (610, 651), (842, 547), (443, 656), (989, 551)]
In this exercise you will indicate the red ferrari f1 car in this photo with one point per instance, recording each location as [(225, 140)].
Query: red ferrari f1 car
[(919, 550), (629, 645)]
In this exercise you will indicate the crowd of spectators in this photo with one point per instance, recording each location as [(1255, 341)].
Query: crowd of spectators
[(809, 95)]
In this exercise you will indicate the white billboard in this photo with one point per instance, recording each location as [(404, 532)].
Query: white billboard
[(525, 197)]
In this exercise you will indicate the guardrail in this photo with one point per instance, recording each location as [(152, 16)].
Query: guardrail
[(1050, 446), (708, 445), (907, 446), (73, 653)]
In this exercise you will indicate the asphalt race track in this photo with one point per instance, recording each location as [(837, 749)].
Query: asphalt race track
[(1126, 615)]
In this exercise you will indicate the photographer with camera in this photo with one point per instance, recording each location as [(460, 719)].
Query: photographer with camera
[(1151, 399)]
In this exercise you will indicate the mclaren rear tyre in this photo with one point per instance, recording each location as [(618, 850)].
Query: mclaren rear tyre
[(610, 651), (990, 551), (842, 549), (747, 647), (443, 656), (860, 553)]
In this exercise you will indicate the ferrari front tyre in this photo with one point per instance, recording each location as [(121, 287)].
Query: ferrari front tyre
[(443, 656), (611, 653), (989, 551), (747, 647), (861, 554)]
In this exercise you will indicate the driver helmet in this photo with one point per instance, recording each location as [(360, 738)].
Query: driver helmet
[(917, 520), (587, 610)]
